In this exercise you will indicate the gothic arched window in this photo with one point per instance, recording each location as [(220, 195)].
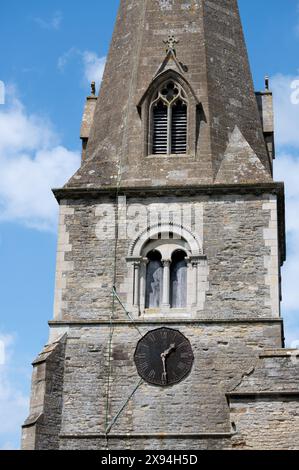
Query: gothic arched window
[(169, 120), (178, 280), (154, 280)]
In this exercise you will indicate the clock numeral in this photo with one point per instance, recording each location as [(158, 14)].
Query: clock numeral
[(141, 356), (143, 366), (176, 336), (151, 337), (152, 374), (163, 334), (175, 375), (186, 355)]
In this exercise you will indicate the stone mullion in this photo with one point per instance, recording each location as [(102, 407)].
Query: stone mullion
[(142, 286), (169, 128), (136, 290), (166, 284)]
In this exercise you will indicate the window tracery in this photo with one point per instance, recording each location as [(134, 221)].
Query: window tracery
[(169, 120)]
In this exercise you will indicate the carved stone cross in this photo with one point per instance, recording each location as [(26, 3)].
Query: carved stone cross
[(171, 42)]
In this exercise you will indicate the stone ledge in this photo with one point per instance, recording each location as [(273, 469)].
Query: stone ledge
[(149, 436), (279, 353), (164, 321), (47, 351), (33, 420), (261, 395), (209, 189)]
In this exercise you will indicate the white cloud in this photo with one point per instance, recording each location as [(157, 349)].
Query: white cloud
[(14, 405), (8, 446), (93, 65), (2, 92), (65, 58), (287, 170), (32, 161), (53, 23), (286, 110), (2, 352)]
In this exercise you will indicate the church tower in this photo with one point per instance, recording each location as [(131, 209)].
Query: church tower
[(167, 331)]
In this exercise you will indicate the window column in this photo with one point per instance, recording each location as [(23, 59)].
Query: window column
[(194, 282), (199, 281), (166, 283), (142, 286), (136, 290)]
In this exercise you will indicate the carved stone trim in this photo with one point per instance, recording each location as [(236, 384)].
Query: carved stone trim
[(191, 238)]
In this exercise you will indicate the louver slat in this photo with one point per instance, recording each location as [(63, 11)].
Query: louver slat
[(160, 130), (179, 129)]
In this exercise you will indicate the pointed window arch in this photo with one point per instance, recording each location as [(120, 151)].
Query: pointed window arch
[(169, 120)]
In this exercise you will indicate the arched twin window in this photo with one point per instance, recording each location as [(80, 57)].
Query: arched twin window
[(173, 292), (168, 274), (169, 121)]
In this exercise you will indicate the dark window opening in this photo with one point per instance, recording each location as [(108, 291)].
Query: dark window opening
[(178, 280), (179, 128), (154, 280), (160, 129)]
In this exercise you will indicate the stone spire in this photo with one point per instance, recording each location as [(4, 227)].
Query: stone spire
[(210, 56)]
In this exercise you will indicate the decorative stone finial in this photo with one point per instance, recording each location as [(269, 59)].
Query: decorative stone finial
[(267, 83), (93, 88), (171, 42)]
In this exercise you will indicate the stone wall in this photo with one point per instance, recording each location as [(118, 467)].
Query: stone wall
[(223, 355), (266, 423), (161, 443), (41, 429), (239, 237)]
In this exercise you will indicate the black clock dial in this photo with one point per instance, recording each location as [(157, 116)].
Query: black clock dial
[(164, 357)]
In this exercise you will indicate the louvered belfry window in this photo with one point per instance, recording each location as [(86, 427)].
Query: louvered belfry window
[(169, 120), (160, 128)]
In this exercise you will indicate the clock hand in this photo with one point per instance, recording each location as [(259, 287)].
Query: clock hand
[(164, 355), (164, 375), (168, 351)]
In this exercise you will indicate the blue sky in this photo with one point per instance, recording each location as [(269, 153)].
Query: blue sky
[(50, 51)]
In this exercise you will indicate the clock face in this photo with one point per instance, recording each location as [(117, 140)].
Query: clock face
[(164, 357)]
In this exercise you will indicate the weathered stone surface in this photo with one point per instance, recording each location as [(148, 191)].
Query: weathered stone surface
[(234, 232), (242, 391), (240, 164), (212, 50), (41, 429), (270, 423), (87, 121), (223, 353)]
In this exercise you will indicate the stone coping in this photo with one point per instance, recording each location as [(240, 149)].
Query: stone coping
[(279, 353), (163, 321), (218, 435), (139, 191), (266, 394), (32, 420)]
